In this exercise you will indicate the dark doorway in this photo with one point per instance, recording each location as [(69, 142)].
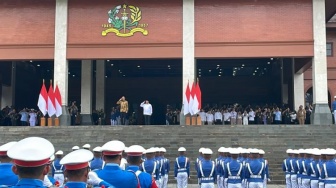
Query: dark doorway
[(242, 81)]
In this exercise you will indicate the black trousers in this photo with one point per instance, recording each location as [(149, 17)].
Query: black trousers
[(73, 119), (122, 118), (147, 119)]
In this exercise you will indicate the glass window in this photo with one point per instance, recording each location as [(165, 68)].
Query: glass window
[(330, 49)]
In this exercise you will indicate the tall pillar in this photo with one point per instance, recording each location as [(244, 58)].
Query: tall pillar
[(60, 60), (86, 92), (188, 68), (321, 112), (299, 95), (100, 85)]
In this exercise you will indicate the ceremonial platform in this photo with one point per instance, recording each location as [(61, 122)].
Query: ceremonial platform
[(274, 139)]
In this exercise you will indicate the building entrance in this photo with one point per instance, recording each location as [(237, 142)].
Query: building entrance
[(242, 81)]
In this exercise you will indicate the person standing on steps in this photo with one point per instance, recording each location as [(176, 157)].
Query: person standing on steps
[(147, 111), (123, 109)]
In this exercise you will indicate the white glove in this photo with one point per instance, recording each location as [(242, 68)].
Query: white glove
[(47, 182), (93, 179), (268, 180)]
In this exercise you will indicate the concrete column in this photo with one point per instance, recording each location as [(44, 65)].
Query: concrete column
[(100, 85), (321, 113), (86, 92), (13, 83), (188, 68), (299, 94), (60, 60)]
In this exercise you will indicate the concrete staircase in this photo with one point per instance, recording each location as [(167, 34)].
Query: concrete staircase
[(274, 139)]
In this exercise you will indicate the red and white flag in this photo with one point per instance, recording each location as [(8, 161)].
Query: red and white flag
[(192, 100), (58, 102), (195, 105), (186, 98), (51, 101), (199, 95), (42, 100)]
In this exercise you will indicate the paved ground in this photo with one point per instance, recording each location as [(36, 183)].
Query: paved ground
[(196, 186)]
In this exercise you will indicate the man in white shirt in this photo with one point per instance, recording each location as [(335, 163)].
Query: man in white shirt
[(210, 117), (233, 117), (147, 111), (251, 117), (218, 117), (227, 116), (202, 114)]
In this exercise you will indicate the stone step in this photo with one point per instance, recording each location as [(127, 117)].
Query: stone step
[(274, 139)]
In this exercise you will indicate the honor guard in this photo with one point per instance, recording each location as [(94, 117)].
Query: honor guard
[(57, 169), (226, 160), (207, 170), (294, 168), (313, 170), (305, 165), (166, 167), (287, 168), (97, 162), (220, 170), (182, 169), (160, 165), (7, 177), (150, 165), (86, 146), (134, 154), (320, 167), (299, 165), (31, 157), (49, 181), (255, 170), (111, 172), (77, 169), (123, 163), (198, 160), (234, 170), (245, 159), (75, 148), (329, 169), (266, 178)]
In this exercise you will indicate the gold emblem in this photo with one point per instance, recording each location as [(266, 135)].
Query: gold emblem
[(124, 21)]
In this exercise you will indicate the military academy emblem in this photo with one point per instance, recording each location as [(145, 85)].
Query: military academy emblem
[(124, 21)]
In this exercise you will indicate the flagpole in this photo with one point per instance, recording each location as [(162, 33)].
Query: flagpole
[(42, 119), (49, 118), (56, 120)]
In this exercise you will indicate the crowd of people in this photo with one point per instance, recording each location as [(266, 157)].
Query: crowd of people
[(245, 115), (9, 116), (216, 115), (310, 168), (33, 162)]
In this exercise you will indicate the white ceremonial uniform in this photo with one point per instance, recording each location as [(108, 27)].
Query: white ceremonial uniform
[(203, 116)]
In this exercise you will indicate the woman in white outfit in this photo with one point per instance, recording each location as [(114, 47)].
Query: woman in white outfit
[(32, 117)]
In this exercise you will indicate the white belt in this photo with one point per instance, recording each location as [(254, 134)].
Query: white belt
[(58, 172), (234, 177), (181, 169), (330, 179), (255, 176), (206, 178)]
